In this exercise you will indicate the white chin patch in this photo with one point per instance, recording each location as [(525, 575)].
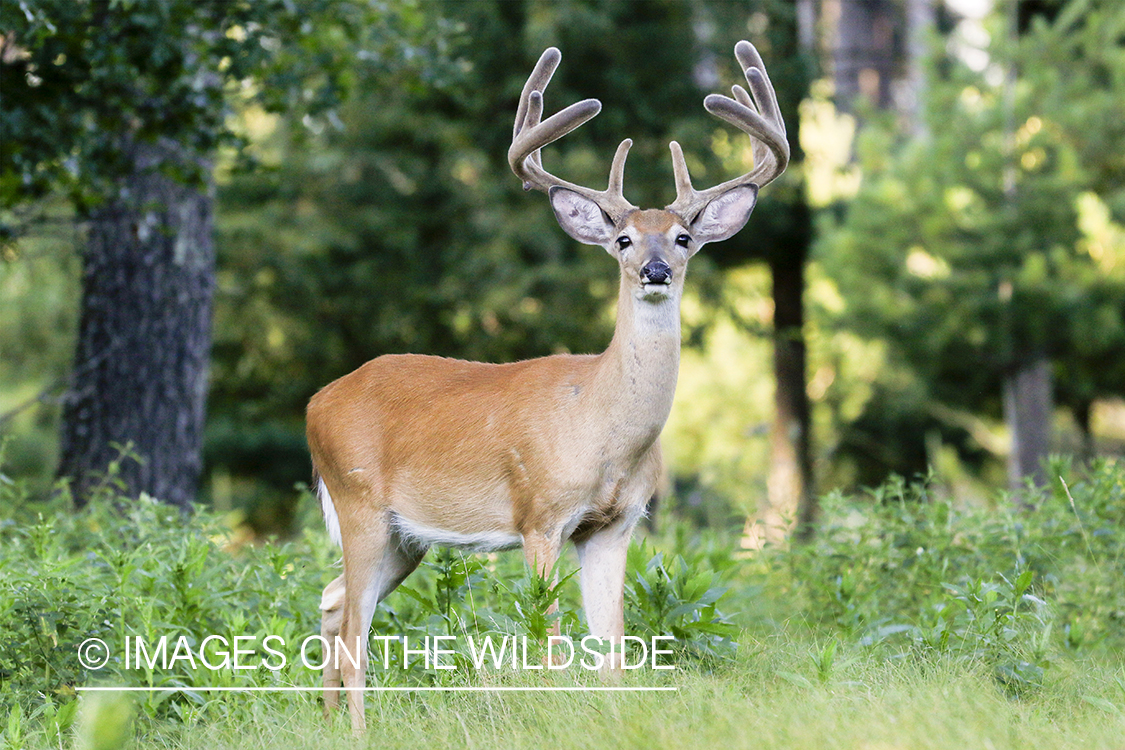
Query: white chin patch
[(656, 292)]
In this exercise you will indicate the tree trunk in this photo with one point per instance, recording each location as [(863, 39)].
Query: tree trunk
[(1083, 414), (1028, 407), (864, 54), (140, 371), (790, 483), (920, 23), (790, 503)]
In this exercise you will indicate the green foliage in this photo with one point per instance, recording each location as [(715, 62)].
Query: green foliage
[(123, 569), (39, 292), (87, 84), (899, 580), (995, 623), (535, 597), (83, 79), (909, 572), (105, 722), (994, 238), (678, 599)]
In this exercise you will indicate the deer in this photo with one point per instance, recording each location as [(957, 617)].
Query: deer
[(411, 451)]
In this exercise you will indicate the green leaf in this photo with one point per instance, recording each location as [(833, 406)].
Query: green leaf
[(795, 679)]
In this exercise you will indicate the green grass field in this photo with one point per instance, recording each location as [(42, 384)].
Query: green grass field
[(771, 696)]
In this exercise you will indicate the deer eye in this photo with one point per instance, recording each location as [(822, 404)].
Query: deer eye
[(683, 240), (623, 242)]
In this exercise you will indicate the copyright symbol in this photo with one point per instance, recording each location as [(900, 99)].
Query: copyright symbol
[(93, 653)]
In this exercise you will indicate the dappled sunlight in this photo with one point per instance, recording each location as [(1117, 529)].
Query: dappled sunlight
[(826, 138), (719, 424), (1102, 238)]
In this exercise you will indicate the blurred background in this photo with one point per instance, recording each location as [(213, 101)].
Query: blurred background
[(211, 210)]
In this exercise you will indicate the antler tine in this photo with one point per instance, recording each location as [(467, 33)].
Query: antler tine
[(536, 82), (529, 135), (749, 58), (741, 96), (680, 170), (755, 113)]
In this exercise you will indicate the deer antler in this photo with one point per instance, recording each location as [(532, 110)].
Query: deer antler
[(758, 117), (530, 135)]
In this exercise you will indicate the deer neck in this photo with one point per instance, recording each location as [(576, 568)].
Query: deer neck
[(637, 373)]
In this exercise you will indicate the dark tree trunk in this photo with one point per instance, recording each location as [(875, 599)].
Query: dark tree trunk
[(140, 371), (1028, 408), (1028, 389), (790, 506), (1083, 414), (865, 52), (790, 481)]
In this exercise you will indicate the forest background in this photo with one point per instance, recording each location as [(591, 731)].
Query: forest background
[(938, 280), (893, 513)]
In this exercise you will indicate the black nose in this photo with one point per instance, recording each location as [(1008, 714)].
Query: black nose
[(656, 272)]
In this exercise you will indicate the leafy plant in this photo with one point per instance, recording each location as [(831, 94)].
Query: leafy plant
[(678, 599), (998, 623), (537, 600)]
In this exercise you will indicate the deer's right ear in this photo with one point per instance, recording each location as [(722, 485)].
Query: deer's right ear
[(580, 217)]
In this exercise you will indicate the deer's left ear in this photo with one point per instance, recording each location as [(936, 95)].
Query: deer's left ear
[(725, 214)]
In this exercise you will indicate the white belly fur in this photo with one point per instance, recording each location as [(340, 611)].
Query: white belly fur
[(481, 541)]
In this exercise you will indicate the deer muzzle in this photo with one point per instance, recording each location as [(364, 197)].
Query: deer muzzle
[(656, 271)]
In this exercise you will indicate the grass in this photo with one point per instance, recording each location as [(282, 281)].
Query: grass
[(771, 696)]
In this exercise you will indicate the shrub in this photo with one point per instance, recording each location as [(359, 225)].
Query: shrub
[(907, 569)]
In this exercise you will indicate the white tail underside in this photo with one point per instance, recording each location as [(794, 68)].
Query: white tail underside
[(331, 520)]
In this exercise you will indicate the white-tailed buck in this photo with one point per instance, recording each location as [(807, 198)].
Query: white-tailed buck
[(411, 451)]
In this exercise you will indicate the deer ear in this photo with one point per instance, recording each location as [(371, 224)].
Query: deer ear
[(580, 217), (725, 214)]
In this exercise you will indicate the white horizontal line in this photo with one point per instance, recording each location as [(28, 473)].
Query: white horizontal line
[(290, 689)]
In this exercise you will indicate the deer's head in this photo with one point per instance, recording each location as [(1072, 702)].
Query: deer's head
[(652, 246)]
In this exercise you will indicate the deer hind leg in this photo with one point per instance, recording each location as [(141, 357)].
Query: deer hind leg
[(376, 561), (331, 619)]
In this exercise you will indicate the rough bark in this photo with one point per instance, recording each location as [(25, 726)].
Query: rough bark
[(1028, 407), (140, 370)]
